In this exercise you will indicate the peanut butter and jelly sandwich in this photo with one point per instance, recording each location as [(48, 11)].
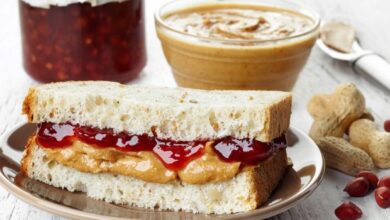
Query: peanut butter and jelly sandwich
[(168, 148)]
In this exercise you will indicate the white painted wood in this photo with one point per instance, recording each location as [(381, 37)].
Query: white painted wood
[(321, 74)]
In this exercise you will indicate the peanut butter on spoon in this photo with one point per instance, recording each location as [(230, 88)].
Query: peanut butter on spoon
[(338, 35)]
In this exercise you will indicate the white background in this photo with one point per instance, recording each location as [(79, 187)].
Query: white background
[(321, 74)]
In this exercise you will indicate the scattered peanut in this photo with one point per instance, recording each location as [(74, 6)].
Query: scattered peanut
[(384, 181), (357, 187), (370, 176), (348, 210), (382, 196), (364, 134), (334, 113), (342, 156), (386, 125)]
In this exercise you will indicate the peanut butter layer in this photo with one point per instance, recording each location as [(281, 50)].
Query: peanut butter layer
[(143, 165)]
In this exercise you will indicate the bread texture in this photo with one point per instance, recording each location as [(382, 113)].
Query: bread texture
[(174, 113), (248, 190)]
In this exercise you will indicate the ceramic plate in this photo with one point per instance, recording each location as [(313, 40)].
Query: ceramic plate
[(299, 182)]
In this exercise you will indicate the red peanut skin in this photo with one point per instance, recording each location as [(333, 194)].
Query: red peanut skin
[(358, 187), (348, 211), (386, 125), (370, 176), (384, 181), (382, 196)]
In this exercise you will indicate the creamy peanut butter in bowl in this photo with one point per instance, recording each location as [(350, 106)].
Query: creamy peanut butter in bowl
[(232, 44)]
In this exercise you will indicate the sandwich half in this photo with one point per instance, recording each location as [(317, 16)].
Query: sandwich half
[(165, 148)]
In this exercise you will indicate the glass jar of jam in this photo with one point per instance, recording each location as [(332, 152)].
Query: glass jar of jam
[(83, 39)]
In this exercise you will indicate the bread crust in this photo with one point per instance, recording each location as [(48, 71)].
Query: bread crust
[(265, 178), (29, 104), (27, 154), (278, 118)]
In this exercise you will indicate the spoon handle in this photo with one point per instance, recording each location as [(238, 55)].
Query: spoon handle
[(375, 66)]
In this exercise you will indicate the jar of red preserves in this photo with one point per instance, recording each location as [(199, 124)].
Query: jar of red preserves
[(83, 39)]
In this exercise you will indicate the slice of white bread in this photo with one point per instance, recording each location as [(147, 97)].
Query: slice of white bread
[(248, 190), (169, 113)]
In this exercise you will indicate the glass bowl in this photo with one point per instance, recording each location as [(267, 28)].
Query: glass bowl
[(210, 63)]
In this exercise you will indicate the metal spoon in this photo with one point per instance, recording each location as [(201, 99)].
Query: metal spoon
[(362, 61)]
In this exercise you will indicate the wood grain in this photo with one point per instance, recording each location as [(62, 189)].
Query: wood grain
[(321, 74)]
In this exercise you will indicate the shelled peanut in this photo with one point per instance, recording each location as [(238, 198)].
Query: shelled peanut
[(344, 112), (363, 183)]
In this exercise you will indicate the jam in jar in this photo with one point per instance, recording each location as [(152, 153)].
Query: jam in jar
[(83, 40)]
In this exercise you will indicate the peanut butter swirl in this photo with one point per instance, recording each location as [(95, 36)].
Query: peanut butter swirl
[(238, 23)]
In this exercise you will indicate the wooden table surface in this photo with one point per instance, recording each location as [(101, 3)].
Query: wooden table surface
[(321, 74)]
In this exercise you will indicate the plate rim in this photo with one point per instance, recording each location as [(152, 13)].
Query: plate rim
[(72, 213)]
